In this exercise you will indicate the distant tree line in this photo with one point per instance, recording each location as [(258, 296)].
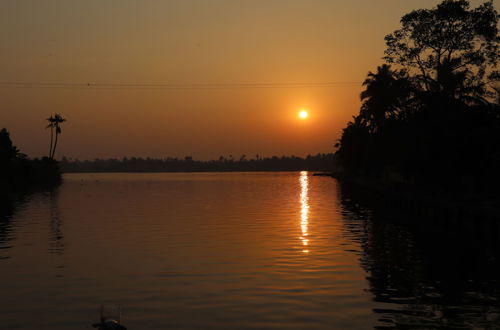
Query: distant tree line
[(18, 172), (317, 162), (431, 113)]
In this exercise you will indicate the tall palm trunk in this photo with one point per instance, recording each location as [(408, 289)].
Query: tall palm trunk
[(51, 141), (55, 121), (55, 145)]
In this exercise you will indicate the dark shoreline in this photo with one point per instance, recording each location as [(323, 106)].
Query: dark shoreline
[(19, 173), (31, 175), (461, 212)]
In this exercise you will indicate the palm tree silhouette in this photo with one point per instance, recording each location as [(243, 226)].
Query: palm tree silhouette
[(58, 119), (382, 97), (51, 126), (54, 124), (461, 85)]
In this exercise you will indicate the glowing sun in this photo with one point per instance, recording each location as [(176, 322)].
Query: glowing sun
[(303, 114)]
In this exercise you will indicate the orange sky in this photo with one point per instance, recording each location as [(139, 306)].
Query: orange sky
[(189, 42)]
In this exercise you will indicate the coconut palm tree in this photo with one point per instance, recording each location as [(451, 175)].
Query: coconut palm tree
[(55, 125), (383, 96), (51, 126)]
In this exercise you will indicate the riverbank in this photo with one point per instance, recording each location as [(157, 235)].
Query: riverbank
[(319, 162), (20, 173), (26, 174)]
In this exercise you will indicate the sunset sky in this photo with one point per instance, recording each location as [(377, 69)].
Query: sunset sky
[(186, 42)]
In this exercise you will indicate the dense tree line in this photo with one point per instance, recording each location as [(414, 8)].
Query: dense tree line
[(17, 171), (431, 113), (188, 164)]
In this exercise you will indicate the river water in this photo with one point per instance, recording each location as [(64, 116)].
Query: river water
[(230, 251)]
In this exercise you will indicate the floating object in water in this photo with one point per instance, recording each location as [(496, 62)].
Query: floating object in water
[(108, 323)]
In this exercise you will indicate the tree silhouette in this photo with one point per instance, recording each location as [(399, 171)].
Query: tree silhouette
[(54, 125), (319, 162), (51, 126), (385, 94), (431, 113), (18, 172), (435, 43), (353, 144), (8, 151)]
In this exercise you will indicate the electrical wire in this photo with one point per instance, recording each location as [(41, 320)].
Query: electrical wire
[(89, 85)]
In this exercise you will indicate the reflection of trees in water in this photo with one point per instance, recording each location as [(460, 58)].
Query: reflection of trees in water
[(57, 244), (9, 203), (423, 279)]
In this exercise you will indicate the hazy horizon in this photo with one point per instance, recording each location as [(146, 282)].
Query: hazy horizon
[(281, 43)]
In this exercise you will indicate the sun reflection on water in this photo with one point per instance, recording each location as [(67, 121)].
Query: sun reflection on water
[(304, 210)]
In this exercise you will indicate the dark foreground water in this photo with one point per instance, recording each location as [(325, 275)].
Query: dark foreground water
[(230, 251)]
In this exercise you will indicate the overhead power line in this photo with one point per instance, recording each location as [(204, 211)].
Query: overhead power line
[(90, 85)]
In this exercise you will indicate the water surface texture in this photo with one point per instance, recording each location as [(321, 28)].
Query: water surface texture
[(225, 251)]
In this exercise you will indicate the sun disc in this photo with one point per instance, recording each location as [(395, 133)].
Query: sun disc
[(303, 114)]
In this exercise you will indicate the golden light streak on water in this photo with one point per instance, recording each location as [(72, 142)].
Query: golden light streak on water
[(304, 210)]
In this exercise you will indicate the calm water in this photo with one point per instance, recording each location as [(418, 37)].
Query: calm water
[(229, 251)]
